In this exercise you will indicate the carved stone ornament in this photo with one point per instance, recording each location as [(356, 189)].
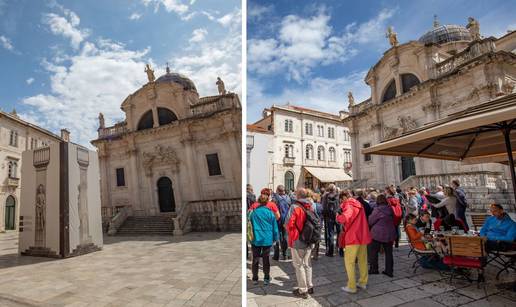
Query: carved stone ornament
[(351, 99), (474, 28), (150, 73), (390, 132), (40, 221), (392, 36), (407, 123), (159, 157), (220, 86)]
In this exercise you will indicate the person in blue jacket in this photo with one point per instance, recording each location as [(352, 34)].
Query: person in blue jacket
[(265, 233), (499, 229)]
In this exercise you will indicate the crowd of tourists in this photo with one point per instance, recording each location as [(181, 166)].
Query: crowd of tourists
[(358, 225)]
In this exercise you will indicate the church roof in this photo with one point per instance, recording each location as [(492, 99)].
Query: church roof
[(182, 80), (441, 34)]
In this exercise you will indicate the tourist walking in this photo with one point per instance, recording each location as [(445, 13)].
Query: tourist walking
[(361, 199), (283, 202), (251, 198), (412, 203), (301, 220), (383, 234), (355, 237), (265, 232), (462, 203), (330, 205), (394, 202)]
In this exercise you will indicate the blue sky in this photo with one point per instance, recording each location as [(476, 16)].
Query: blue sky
[(312, 53), (65, 61)]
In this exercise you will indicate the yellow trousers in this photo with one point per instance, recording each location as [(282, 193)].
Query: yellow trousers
[(351, 254)]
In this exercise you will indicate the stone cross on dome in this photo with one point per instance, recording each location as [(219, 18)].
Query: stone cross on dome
[(168, 69)]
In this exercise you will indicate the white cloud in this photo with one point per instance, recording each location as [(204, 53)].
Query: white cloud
[(257, 12), (175, 6), (29, 81), (327, 95), (67, 26), (135, 16), (6, 43), (305, 43), (206, 61), (198, 35), (97, 77), (231, 19)]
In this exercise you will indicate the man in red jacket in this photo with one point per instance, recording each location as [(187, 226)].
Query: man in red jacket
[(354, 238), (300, 251)]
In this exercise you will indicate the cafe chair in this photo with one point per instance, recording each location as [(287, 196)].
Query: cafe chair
[(420, 253), (503, 260), (466, 252)]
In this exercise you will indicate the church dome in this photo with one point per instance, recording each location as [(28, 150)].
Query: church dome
[(445, 33), (186, 83)]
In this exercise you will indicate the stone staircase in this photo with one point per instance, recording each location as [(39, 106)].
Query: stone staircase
[(147, 225)]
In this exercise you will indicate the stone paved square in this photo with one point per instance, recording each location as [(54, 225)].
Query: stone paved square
[(421, 289), (198, 269)]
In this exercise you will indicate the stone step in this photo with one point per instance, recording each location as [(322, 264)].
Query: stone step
[(147, 225)]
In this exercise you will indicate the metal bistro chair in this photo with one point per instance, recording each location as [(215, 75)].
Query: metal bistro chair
[(420, 253), (466, 252), (503, 260)]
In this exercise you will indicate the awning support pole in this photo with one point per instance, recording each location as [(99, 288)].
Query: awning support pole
[(507, 135)]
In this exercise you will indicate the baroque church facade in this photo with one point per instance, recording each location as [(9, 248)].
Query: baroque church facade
[(448, 69), (173, 148)]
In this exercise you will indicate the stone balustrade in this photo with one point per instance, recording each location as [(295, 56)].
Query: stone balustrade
[(474, 50), (211, 104), (118, 219), (112, 131), (361, 107), (482, 188), (209, 215)]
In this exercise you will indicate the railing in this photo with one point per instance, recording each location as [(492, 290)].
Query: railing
[(112, 131), (289, 160), (215, 103), (209, 215), (358, 108), (490, 180), (118, 219), (474, 50)]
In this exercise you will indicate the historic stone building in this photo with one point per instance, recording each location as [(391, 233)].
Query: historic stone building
[(446, 70), (308, 148), (16, 136), (173, 149)]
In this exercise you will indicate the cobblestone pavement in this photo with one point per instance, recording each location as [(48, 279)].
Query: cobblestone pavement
[(420, 289), (198, 269)]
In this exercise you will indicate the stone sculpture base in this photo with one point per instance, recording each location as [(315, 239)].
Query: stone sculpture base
[(40, 252)]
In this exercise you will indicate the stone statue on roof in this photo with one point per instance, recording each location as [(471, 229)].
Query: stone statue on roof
[(102, 123), (351, 99), (392, 36), (474, 28), (220, 86), (150, 73)]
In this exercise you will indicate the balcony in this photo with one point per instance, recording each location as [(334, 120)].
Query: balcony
[(13, 182), (289, 160)]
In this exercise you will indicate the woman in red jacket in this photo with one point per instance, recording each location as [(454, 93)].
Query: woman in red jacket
[(354, 237)]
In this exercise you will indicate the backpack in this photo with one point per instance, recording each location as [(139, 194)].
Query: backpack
[(311, 232), (283, 203), (330, 207)]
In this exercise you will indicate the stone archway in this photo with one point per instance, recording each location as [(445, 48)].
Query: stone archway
[(10, 213), (408, 167), (167, 202), (289, 181)]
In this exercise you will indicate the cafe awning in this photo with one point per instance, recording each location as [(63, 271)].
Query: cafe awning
[(324, 174), (486, 132)]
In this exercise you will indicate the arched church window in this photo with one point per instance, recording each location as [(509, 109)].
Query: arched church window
[(390, 91), (408, 81), (333, 157), (166, 116), (146, 121)]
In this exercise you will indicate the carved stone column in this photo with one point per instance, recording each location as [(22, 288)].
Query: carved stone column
[(83, 160), (379, 160), (137, 196), (41, 159), (191, 163)]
